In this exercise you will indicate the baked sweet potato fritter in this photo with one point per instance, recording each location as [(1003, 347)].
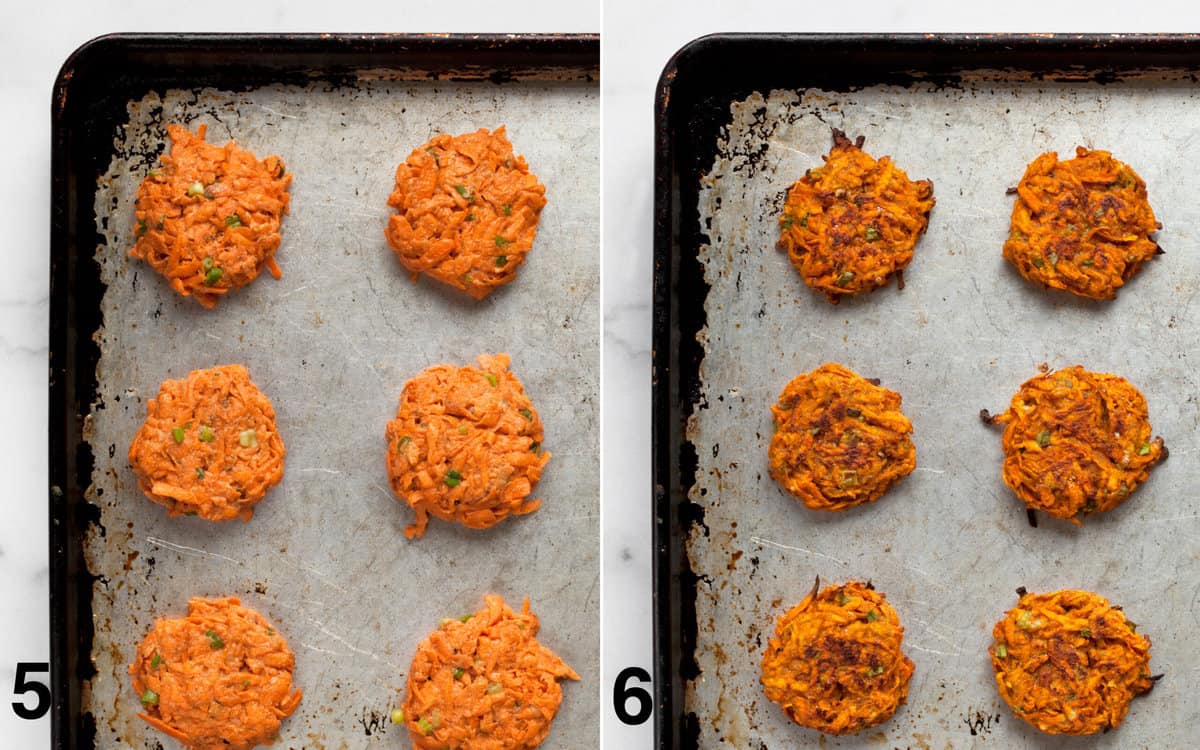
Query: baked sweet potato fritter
[(835, 662), (851, 224), (467, 211), (218, 679), (1068, 663), (1077, 442), (483, 682), (465, 446), (209, 445), (208, 219), (1082, 225), (840, 440)]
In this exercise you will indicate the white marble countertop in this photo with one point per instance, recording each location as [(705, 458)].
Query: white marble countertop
[(35, 38)]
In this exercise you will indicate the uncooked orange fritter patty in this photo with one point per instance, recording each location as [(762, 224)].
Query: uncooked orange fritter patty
[(466, 445), (467, 211), (1077, 442), (218, 679), (1069, 663), (209, 445), (835, 662), (1082, 225), (840, 440), (483, 682), (208, 219), (850, 225)]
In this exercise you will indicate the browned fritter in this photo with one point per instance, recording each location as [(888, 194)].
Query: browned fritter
[(840, 440), (1077, 442), (1069, 663), (466, 445), (1082, 225), (835, 662), (851, 224), (467, 211), (209, 445), (208, 219)]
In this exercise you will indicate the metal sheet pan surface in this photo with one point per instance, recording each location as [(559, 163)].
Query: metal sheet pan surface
[(332, 344), (950, 543)]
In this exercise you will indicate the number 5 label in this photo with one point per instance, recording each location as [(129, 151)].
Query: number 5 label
[(40, 692)]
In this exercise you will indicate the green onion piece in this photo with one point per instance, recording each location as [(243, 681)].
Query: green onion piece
[(464, 191), (281, 172), (492, 379), (233, 221), (1088, 263), (214, 640), (1086, 633), (177, 435), (494, 688), (141, 227), (425, 726), (501, 242), (199, 473), (149, 698), (842, 599), (1144, 450), (875, 671), (397, 716), (459, 672), (527, 413), (206, 434), (508, 209), (470, 217), (1038, 262), (248, 439), (213, 276), (466, 277), (501, 260), (154, 173), (872, 234), (453, 478), (191, 513), (845, 278), (206, 264), (1132, 625), (403, 442), (536, 447), (270, 631), (1002, 651), (465, 618), (155, 662), (787, 221), (1053, 258), (1025, 620), (1043, 438), (462, 429), (872, 616), (196, 188)]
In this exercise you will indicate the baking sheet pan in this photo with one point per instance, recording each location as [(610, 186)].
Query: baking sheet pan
[(332, 344), (950, 543)]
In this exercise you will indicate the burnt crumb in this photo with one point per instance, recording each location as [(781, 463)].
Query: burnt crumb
[(260, 588), (1032, 516), (986, 416), (1022, 591), (979, 722)]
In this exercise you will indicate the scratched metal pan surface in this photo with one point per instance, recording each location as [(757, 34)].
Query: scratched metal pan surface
[(950, 543), (332, 344)]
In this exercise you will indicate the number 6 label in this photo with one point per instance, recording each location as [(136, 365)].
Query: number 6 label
[(623, 692)]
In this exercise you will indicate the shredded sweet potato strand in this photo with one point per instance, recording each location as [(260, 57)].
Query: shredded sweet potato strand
[(483, 682), (465, 445), (209, 445), (208, 219), (219, 678)]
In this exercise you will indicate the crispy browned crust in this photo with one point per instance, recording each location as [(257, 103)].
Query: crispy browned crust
[(1069, 663), (1077, 442), (467, 211), (835, 662), (1082, 225), (840, 440), (851, 224)]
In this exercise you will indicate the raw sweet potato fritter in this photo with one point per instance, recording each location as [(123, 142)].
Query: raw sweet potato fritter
[(209, 446), (465, 446), (840, 440), (1077, 442), (1082, 225), (483, 682), (208, 219), (835, 662), (851, 224), (1068, 663), (466, 211), (218, 679)]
